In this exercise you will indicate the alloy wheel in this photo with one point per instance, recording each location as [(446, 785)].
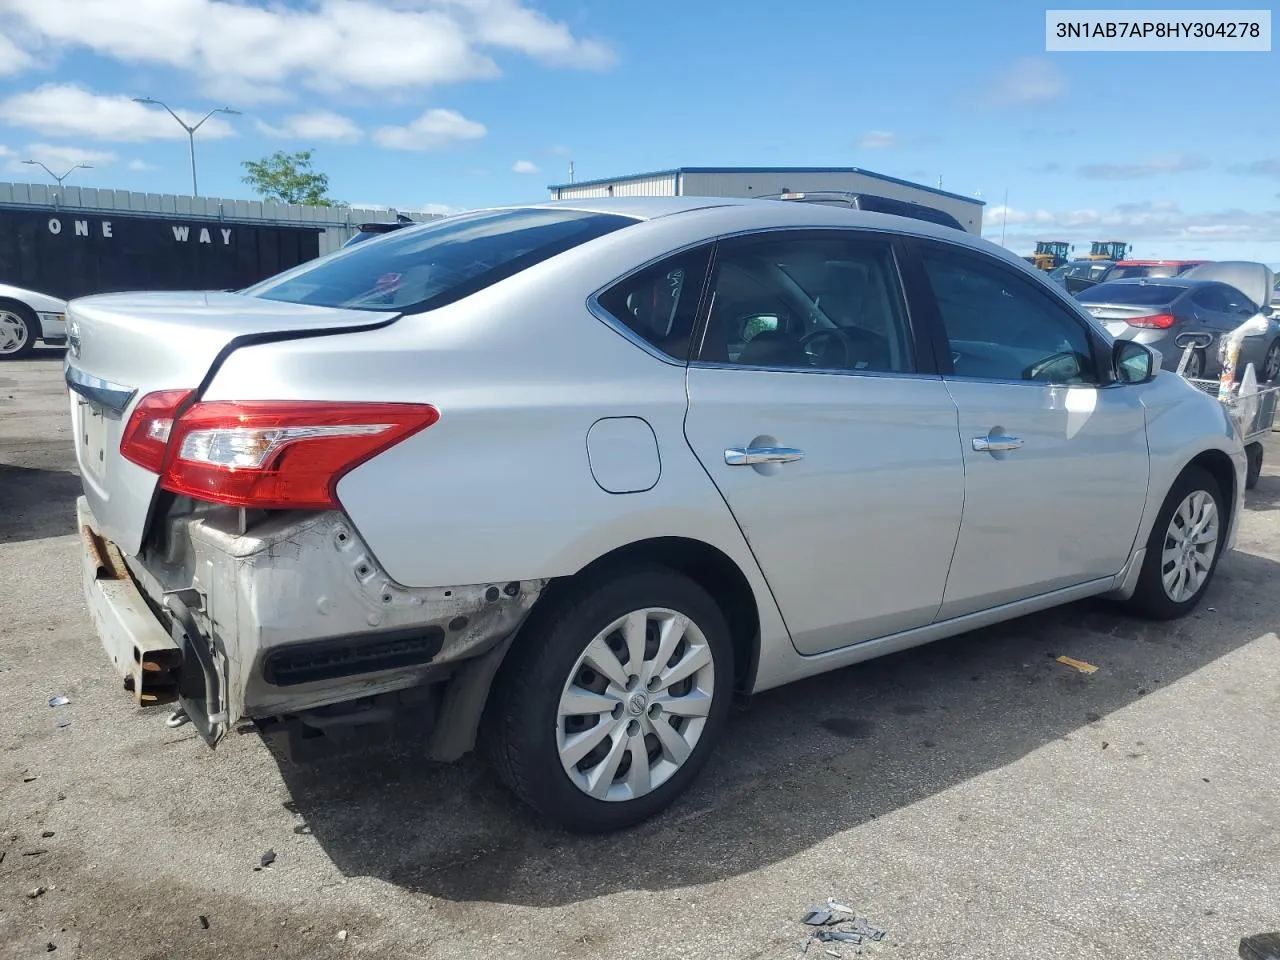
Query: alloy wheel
[(635, 704), (1190, 544), (13, 332), (1271, 365)]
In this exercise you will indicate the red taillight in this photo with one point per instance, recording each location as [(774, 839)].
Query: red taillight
[(276, 454), (146, 435), (1158, 321)]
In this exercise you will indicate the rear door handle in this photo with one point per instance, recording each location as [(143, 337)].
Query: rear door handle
[(996, 444), (749, 456)]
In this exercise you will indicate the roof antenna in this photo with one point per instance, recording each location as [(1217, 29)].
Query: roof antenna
[(571, 171)]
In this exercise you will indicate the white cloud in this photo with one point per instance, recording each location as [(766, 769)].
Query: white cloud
[(141, 166), (256, 52), (524, 166), (13, 59), (514, 26), (317, 125), (878, 140), (1161, 228), (441, 208), (1167, 163), (1028, 81), (1263, 168), (434, 130), (58, 158), (66, 110)]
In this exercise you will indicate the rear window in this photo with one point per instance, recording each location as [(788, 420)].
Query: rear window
[(1138, 294), (421, 268), (1151, 271)]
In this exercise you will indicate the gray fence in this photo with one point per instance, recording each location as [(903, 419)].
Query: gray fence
[(337, 223)]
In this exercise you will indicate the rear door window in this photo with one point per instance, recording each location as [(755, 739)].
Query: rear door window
[(421, 268), (1211, 298)]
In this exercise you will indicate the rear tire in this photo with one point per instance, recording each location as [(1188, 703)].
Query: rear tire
[(1271, 363), (1183, 549), (19, 330), (591, 670), (1254, 471)]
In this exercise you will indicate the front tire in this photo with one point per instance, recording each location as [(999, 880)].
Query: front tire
[(1183, 549), (19, 330), (612, 700)]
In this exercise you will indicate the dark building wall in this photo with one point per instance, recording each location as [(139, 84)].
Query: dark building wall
[(74, 253)]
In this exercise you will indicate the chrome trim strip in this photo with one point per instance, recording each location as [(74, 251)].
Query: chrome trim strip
[(113, 396)]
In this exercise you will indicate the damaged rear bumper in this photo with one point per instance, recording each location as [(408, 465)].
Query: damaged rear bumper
[(290, 619)]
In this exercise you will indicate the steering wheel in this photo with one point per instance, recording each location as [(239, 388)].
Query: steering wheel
[(831, 333)]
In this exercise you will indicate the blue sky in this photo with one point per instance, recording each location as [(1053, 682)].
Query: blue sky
[(436, 104)]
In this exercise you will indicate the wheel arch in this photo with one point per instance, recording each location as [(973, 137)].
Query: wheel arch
[(1219, 466), (708, 566)]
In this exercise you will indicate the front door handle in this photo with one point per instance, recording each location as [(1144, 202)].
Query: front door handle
[(996, 444), (749, 456)]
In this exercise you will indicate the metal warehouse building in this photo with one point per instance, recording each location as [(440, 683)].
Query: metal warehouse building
[(759, 181)]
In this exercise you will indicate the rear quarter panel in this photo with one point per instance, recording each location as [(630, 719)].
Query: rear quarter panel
[(501, 487)]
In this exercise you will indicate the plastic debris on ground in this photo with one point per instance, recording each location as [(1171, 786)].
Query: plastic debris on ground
[(204, 922), (1077, 664), (1260, 946), (839, 924), (59, 701), (63, 724), (342, 935), (268, 858)]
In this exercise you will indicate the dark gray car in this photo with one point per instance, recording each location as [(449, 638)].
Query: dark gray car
[(1155, 311)]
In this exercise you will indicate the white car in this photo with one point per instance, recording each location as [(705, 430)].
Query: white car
[(27, 316), (569, 476)]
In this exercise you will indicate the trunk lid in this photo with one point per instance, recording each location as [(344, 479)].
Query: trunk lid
[(124, 346), (1115, 316)]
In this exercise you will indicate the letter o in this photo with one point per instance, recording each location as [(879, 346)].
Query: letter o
[(55, 225)]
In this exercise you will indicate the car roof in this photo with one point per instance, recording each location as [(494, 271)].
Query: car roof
[(1157, 263), (759, 213), (1155, 282)]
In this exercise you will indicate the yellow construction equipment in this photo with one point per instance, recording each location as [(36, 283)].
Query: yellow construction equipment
[(1050, 254), (1108, 250)]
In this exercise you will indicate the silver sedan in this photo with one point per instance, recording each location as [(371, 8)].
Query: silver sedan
[(561, 479)]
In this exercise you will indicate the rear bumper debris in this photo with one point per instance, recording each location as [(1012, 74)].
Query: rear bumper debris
[(141, 650), (291, 620)]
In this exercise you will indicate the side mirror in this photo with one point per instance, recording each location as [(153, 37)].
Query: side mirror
[(1134, 362)]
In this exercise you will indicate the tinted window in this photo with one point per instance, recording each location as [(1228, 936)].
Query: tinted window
[(1212, 297), (659, 304), (1000, 327), (425, 267), (1121, 273), (808, 303), (1138, 294), (1237, 302)]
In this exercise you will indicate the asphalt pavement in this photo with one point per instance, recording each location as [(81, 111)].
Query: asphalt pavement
[(974, 798)]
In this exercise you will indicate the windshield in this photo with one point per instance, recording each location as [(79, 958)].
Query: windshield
[(421, 268), (1138, 294)]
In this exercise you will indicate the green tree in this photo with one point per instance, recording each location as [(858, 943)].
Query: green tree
[(289, 178)]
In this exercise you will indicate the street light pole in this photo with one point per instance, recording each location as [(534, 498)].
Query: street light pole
[(191, 130), (78, 166)]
